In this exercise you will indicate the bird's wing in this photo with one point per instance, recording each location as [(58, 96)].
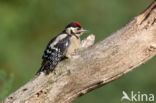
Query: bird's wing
[(52, 55)]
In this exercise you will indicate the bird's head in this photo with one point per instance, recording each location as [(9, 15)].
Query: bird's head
[(75, 28)]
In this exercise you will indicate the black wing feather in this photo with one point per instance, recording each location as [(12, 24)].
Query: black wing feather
[(54, 55)]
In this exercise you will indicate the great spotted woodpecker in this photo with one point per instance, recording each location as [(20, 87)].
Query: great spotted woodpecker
[(61, 47)]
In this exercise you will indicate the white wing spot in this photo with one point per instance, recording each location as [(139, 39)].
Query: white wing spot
[(60, 37), (48, 51), (67, 44)]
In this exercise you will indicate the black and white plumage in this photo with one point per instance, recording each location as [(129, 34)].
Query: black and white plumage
[(61, 46)]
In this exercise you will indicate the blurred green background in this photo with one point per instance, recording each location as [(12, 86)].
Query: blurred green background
[(27, 25)]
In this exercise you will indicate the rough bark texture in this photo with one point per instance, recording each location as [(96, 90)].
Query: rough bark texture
[(95, 66)]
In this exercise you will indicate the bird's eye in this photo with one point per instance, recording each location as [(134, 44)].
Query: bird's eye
[(78, 28)]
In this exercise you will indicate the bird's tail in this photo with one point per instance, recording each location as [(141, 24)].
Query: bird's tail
[(47, 67)]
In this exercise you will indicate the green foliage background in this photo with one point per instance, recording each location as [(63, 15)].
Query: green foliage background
[(27, 25)]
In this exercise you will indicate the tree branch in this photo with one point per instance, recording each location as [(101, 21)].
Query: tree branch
[(95, 66)]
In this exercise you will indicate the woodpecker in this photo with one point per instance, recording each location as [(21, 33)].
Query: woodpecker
[(62, 46)]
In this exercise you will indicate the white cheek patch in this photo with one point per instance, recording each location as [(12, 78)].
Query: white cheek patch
[(71, 30)]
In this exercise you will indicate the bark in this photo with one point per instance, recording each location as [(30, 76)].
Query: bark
[(107, 60)]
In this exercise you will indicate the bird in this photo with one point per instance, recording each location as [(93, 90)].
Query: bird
[(61, 47)]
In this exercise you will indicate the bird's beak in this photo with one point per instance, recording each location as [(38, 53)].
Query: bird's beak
[(84, 31)]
